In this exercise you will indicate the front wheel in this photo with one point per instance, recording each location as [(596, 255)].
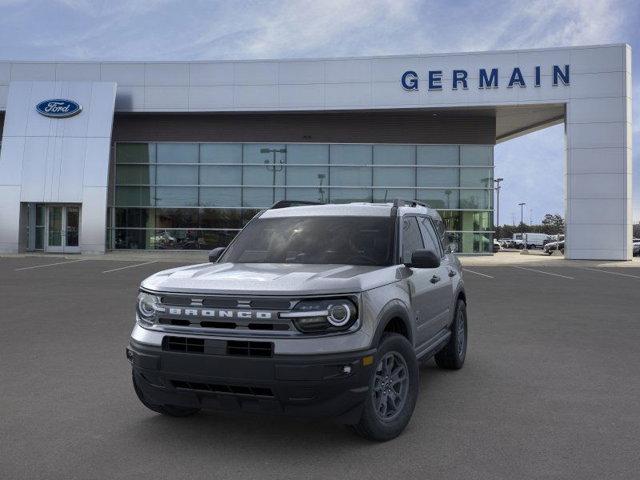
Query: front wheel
[(393, 390), (452, 356)]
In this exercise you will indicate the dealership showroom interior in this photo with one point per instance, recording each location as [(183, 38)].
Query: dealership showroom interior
[(360, 239)]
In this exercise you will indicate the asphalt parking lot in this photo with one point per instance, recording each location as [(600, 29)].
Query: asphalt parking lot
[(550, 389)]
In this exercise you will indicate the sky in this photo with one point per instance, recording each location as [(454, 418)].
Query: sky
[(532, 165)]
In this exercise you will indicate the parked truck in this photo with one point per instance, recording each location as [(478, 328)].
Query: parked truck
[(531, 240)]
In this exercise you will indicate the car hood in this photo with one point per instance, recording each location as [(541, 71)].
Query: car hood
[(270, 278)]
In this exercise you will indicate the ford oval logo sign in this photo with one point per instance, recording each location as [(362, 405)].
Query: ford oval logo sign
[(58, 108)]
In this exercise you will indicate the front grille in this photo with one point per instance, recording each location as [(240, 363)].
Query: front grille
[(250, 349), (220, 388), (230, 325), (183, 344)]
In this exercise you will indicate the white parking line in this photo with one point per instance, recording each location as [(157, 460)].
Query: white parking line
[(477, 273), (129, 266), (545, 273), (610, 273), (49, 265)]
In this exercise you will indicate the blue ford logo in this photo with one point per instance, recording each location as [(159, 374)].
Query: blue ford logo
[(58, 108)]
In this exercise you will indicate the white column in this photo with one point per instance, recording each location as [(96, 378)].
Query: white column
[(598, 173)]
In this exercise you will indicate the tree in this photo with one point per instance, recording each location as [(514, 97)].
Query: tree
[(553, 220)]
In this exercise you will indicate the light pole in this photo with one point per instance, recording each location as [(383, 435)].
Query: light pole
[(524, 240), (275, 166), (497, 181), (522, 213)]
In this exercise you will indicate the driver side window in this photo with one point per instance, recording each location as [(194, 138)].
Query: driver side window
[(411, 238)]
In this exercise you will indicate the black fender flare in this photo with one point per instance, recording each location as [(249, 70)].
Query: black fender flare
[(393, 309)]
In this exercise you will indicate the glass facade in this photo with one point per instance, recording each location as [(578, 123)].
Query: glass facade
[(199, 195)]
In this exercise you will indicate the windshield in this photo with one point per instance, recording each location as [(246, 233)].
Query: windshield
[(317, 240)]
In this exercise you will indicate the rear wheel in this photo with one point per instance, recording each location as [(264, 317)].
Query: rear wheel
[(452, 356), (393, 390), (170, 410)]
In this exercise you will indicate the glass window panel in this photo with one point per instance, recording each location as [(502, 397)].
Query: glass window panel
[(351, 154), (177, 152), (307, 176), (394, 154), (135, 152), (447, 198), (223, 217), (438, 177), (220, 197), (261, 197), (438, 155), (476, 221), (132, 239), (351, 176), (452, 220), (388, 195), (308, 194), (346, 195), (394, 176), (135, 196), (266, 173), (177, 175), (476, 199), (176, 217), (314, 154), (135, 174), (176, 196), (476, 155), (221, 153), (173, 239), (219, 175), (134, 217), (475, 242), (476, 177)]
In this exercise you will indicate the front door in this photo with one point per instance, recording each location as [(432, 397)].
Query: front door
[(62, 229)]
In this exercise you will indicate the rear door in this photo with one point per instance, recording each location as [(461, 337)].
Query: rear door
[(443, 300)]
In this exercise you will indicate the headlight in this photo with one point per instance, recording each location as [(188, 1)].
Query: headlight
[(324, 315), (147, 306)]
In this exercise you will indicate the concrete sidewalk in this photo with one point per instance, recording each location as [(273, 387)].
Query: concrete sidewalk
[(536, 257)]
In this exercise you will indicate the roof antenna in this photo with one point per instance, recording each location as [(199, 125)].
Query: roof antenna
[(385, 195)]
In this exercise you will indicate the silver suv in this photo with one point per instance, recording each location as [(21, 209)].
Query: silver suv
[(321, 310)]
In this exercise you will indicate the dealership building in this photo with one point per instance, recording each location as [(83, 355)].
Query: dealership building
[(99, 156)]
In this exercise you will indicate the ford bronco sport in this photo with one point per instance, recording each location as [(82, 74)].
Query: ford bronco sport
[(320, 310)]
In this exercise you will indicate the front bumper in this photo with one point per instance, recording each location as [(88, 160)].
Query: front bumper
[(333, 385)]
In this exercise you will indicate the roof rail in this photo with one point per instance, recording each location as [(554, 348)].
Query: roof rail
[(292, 203), (399, 202)]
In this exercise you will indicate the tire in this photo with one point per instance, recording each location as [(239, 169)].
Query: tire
[(395, 352), (452, 356), (169, 410)]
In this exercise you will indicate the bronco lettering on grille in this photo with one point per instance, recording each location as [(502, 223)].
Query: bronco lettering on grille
[(219, 313)]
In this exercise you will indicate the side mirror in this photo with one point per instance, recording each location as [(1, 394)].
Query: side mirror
[(424, 259), (215, 254)]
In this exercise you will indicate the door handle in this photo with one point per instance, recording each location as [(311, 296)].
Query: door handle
[(452, 273), (435, 279)]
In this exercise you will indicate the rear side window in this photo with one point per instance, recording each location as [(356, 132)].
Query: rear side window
[(430, 238), (411, 238)]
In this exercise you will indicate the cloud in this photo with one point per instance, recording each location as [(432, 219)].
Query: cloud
[(250, 29)]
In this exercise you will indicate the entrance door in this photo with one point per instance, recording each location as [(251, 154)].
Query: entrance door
[(63, 227)]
